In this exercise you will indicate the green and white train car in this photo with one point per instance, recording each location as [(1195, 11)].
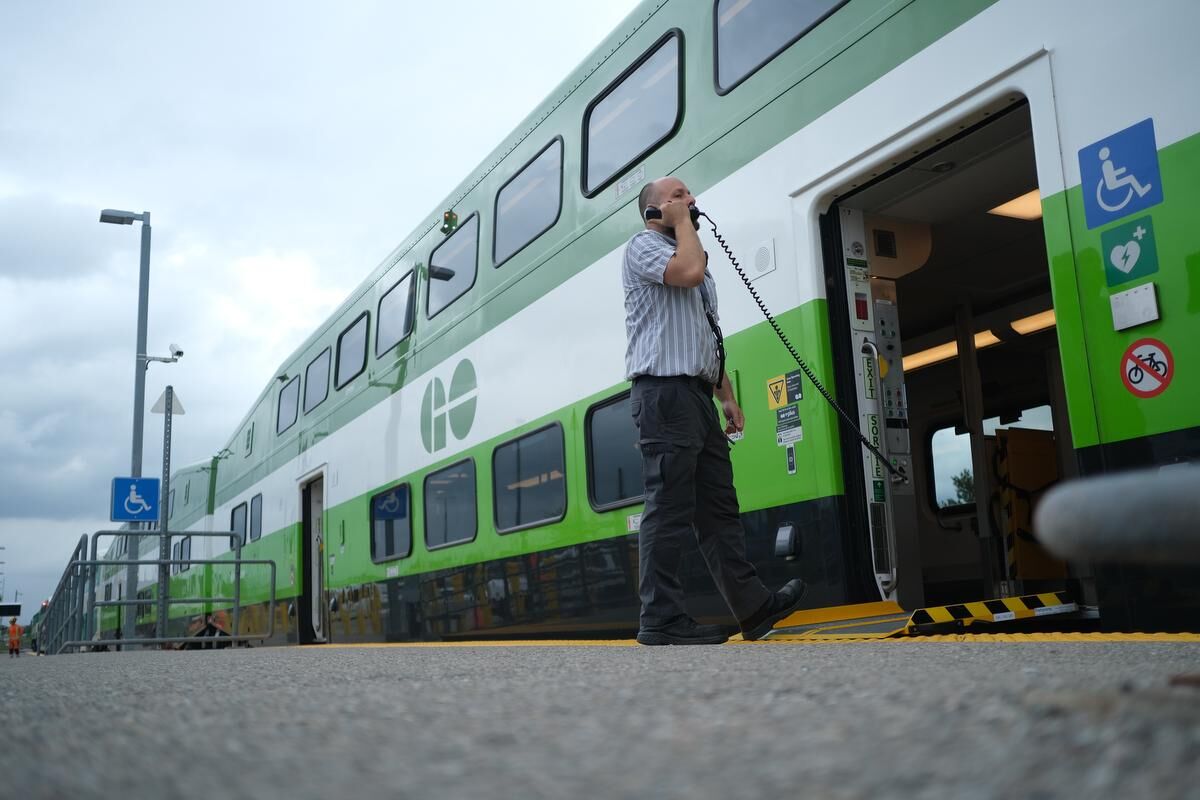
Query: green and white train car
[(451, 452)]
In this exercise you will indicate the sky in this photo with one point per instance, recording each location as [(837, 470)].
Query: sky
[(282, 149)]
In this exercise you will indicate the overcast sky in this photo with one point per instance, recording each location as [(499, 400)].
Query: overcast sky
[(282, 148)]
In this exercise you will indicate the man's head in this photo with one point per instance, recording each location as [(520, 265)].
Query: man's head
[(661, 191)]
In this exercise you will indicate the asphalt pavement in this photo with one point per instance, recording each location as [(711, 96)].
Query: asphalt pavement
[(983, 719)]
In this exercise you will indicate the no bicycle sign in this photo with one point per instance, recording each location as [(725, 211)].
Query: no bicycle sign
[(1147, 368)]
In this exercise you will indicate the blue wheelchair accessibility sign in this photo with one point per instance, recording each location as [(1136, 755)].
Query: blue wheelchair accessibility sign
[(1119, 175), (135, 499)]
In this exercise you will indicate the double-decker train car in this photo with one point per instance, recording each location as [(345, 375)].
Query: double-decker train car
[(973, 219)]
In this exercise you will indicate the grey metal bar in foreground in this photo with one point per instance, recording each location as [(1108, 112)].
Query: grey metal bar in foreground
[(1145, 517)]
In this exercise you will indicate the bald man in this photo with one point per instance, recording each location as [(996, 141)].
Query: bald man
[(675, 359)]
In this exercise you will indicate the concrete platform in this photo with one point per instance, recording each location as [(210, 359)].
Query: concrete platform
[(987, 717)]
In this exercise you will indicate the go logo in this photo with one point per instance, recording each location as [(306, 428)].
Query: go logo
[(458, 406)]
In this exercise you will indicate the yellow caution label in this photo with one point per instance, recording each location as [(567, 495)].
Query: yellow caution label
[(777, 392)]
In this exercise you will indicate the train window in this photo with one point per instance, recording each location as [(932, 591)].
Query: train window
[(749, 33), (953, 484), (289, 401), (452, 266), (108, 591), (255, 517), (237, 521), (176, 549), (171, 505), (185, 553), (391, 524), (316, 381), (528, 480), (187, 491), (450, 516), (529, 204), (614, 461), (249, 448), (636, 113), (352, 351), (397, 313)]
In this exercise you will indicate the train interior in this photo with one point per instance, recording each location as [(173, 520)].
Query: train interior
[(969, 364)]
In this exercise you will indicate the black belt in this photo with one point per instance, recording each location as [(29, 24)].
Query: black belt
[(694, 381)]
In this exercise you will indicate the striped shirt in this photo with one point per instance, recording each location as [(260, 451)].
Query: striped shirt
[(667, 331)]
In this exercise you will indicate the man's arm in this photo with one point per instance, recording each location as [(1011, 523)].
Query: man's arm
[(686, 267), (735, 420)]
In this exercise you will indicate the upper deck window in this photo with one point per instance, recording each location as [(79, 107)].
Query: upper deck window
[(289, 402), (316, 381), (635, 114), (452, 266), (352, 351), (752, 32), (529, 204), (397, 310)]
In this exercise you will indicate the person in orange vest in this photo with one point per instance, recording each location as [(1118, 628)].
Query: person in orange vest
[(14, 638)]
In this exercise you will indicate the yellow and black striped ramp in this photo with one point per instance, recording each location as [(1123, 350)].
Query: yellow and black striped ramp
[(1007, 609)]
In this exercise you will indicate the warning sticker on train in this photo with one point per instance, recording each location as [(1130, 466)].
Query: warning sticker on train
[(1147, 368)]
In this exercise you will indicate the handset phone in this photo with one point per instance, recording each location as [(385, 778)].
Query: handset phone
[(654, 212)]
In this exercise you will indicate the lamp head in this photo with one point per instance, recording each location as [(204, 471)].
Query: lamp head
[(116, 217)]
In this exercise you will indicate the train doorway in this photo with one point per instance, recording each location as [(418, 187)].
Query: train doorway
[(944, 336), (312, 617)]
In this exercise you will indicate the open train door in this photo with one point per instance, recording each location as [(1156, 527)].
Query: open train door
[(945, 352)]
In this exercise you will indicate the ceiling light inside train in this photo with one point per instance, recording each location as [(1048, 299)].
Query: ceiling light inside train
[(1027, 206)]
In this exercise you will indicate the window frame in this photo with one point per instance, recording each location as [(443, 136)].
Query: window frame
[(562, 169), (445, 240), (246, 519), (279, 406), (365, 355), (304, 389), (589, 459), (250, 534), (425, 505), (176, 550), (185, 552), (371, 514), (412, 300), (609, 89), (717, 48), (248, 441), (562, 441)]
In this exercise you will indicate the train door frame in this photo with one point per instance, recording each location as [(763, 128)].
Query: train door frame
[(311, 604), (816, 204)]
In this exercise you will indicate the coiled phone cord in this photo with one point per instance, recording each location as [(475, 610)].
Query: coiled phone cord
[(896, 471)]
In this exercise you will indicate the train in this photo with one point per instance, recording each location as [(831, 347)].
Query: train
[(974, 220)]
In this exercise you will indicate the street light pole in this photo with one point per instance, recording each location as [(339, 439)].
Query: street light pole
[(139, 394)]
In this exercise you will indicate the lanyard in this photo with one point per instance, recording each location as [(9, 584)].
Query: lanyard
[(716, 331)]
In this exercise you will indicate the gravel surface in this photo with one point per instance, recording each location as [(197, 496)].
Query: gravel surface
[(865, 720)]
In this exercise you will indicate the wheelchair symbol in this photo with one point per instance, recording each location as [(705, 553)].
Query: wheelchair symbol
[(1114, 178), (135, 503), (390, 504)]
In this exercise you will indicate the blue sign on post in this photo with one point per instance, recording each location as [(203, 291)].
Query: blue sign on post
[(135, 499), (1119, 175)]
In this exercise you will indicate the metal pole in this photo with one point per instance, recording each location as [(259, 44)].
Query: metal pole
[(139, 402), (164, 514)]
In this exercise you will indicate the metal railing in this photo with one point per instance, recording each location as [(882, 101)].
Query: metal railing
[(68, 620)]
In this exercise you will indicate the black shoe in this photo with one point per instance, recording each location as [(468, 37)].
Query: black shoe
[(683, 631), (781, 605)]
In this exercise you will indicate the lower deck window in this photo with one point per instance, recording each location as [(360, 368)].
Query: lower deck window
[(528, 480), (450, 515), (614, 461), (391, 524)]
